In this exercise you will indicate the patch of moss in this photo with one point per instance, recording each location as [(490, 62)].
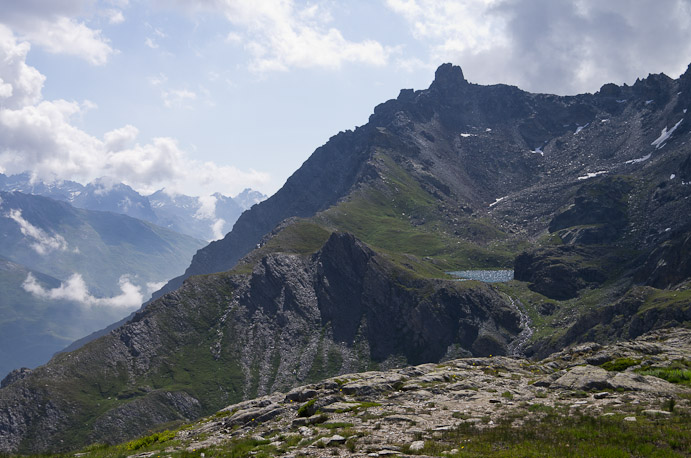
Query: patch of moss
[(307, 409), (677, 372), (620, 364)]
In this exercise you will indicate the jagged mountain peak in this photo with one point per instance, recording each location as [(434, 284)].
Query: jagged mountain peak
[(448, 78)]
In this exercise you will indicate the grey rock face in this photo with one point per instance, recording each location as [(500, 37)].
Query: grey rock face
[(15, 375)]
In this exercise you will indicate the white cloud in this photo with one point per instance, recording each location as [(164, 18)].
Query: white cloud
[(67, 36), (207, 207), (217, 229), (178, 98), (41, 242), (152, 287), (207, 211), (280, 35), (5, 89), (75, 289), (119, 139), (58, 27), (114, 16), (25, 82), (151, 43), (40, 136), (548, 46)]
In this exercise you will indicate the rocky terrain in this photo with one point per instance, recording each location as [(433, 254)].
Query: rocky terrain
[(344, 269), (230, 336), (396, 412), (447, 408)]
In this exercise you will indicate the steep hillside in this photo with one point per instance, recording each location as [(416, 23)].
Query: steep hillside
[(345, 268), (60, 240), (227, 337)]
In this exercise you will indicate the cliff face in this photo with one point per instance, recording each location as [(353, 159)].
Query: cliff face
[(343, 269)]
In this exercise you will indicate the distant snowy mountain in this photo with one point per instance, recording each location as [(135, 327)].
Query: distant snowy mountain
[(105, 195), (205, 218), (249, 197)]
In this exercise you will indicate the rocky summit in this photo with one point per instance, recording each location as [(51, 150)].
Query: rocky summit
[(346, 270)]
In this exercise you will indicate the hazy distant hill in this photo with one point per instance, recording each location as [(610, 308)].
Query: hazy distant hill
[(74, 271), (33, 328)]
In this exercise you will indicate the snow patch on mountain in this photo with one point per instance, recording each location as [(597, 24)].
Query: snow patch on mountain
[(640, 159), (659, 142), (592, 175)]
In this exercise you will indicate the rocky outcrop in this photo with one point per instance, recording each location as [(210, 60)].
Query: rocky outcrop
[(598, 214), (558, 272), (668, 264), (639, 311), (15, 375)]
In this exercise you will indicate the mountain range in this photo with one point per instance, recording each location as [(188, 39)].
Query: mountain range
[(346, 268), (204, 218)]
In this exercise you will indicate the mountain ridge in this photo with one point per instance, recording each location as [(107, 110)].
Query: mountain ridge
[(201, 218)]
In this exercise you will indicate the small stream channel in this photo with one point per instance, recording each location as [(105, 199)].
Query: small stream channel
[(496, 276)]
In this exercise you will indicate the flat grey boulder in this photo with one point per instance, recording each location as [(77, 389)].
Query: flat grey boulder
[(584, 378)]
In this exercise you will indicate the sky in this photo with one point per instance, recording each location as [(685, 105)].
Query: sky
[(212, 96)]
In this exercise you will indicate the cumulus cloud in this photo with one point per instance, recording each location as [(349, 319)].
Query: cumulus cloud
[(207, 211), (563, 47), (40, 136), (280, 35), (152, 287), (114, 16), (218, 229), (68, 36), (40, 241), (207, 207), (22, 83), (54, 26), (75, 290)]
